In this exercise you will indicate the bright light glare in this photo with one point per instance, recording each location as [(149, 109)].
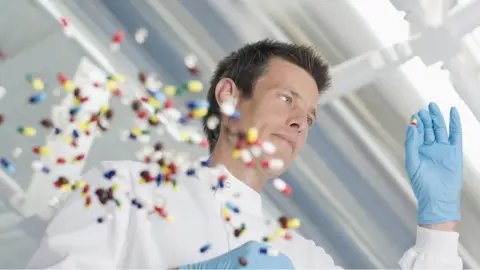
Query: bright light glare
[(431, 83)]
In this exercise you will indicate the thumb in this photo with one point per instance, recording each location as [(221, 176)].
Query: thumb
[(412, 157)]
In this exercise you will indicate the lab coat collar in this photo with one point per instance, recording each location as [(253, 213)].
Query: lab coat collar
[(234, 190)]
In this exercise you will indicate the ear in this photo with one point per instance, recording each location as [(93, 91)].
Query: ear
[(226, 89)]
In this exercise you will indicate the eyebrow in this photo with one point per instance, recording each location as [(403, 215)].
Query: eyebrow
[(297, 95)]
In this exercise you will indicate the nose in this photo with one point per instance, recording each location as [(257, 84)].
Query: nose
[(298, 122)]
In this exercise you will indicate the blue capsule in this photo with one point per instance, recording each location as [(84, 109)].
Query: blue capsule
[(7, 165), (183, 120), (73, 111), (206, 163), (232, 207), (110, 174), (205, 248), (75, 134), (190, 172), (159, 179), (38, 98)]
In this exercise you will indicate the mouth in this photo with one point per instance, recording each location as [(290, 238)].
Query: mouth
[(286, 139)]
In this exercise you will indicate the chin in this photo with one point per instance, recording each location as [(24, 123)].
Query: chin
[(286, 156)]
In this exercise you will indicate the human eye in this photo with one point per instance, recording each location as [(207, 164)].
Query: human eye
[(286, 98)]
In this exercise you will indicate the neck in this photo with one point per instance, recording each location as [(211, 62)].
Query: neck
[(222, 155)]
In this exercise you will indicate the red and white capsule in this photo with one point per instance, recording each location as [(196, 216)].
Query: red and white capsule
[(281, 186), (273, 164)]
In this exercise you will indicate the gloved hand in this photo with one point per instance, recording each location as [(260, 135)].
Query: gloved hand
[(434, 163), (247, 256)]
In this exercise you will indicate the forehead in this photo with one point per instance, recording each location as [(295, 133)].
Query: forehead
[(283, 74)]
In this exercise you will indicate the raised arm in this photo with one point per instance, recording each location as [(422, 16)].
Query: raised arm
[(434, 164)]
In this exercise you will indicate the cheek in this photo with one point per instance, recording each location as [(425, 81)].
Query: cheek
[(302, 140)]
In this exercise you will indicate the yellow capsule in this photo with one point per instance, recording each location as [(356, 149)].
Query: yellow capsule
[(175, 188), (77, 101), (153, 102), (142, 181), (115, 187), (199, 113), (118, 78), (170, 90), (44, 150), (165, 169), (69, 86), (84, 195), (66, 139), (170, 218), (414, 121), (225, 213), (271, 238), (195, 86), (293, 223), (66, 187), (111, 85), (105, 107), (280, 232), (154, 118), (184, 136), (236, 154), (83, 125), (38, 85), (27, 131), (252, 135), (136, 131)]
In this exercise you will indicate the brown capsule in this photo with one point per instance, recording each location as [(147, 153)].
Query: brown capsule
[(283, 221), (110, 194), (109, 114), (62, 180), (136, 105), (194, 70), (237, 232), (158, 146), (145, 175), (47, 123), (102, 195), (161, 162), (242, 261), (77, 93), (142, 76)]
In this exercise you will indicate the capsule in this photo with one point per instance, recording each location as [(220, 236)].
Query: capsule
[(269, 251), (42, 150), (205, 248), (27, 131), (7, 165), (281, 186), (38, 98)]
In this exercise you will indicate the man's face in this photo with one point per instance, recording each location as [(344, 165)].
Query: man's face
[(282, 108)]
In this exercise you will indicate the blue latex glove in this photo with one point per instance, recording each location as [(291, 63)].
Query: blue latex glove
[(250, 253), (434, 164)]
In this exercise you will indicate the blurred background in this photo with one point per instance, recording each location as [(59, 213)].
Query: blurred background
[(388, 58)]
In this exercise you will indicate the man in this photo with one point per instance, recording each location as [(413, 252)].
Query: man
[(275, 88)]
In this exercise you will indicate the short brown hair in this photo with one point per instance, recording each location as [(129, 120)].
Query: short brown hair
[(249, 63)]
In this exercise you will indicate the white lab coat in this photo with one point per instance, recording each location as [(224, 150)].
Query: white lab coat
[(135, 239)]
